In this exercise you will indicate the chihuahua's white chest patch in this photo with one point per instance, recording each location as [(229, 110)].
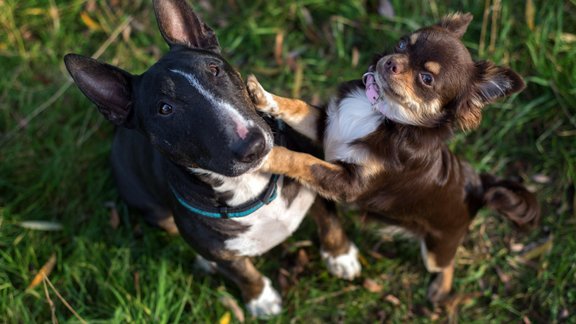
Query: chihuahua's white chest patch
[(349, 120), (271, 224)]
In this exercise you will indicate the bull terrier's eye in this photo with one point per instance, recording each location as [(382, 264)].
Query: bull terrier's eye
[(165, 109), (426, 79), (214, 69)]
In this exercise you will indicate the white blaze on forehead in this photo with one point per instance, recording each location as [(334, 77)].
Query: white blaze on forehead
[(239, 121)]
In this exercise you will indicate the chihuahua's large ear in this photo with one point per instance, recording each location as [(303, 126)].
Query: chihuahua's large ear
[(490, 84), (180, 25), (107, 86), (456, 23)]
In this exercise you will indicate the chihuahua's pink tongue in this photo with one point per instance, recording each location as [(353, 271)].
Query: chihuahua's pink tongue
[(371, 87), (373, 93)]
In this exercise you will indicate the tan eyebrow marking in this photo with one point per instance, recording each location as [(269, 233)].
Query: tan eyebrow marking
[(433, 67), (414, 38)]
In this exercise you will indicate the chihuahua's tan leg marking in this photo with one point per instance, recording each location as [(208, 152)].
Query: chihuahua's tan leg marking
[(440, 288), (438, 255), (296, 113), (333, 181), (296, 165)]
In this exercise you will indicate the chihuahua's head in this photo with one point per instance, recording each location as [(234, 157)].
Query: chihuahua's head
[(431, 80)]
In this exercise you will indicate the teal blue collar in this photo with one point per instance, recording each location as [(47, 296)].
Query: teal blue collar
[(266, 197)]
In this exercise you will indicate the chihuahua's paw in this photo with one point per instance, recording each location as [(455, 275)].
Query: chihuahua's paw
[(269, 303), (345, 266), (261, 98), (438, 291)]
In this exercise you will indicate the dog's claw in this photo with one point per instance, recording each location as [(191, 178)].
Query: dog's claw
[(254, 88), (345, 266)]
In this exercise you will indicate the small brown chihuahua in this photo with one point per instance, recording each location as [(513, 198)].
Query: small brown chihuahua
[(385, 136)]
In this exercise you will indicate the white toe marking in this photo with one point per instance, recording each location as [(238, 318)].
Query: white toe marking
[(345, 266), (268, 303)]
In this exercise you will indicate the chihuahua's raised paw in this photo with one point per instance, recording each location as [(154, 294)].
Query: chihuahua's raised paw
[(261, 98)]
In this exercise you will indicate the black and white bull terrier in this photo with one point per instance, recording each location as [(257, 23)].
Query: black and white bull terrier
[(186, 153)]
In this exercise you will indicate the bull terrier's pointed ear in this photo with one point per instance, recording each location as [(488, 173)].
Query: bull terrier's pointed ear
[(107, 86), (180, 25), (456, 23)]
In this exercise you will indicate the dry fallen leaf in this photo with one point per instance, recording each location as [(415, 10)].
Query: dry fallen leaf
[(225, 319), (90, 6), (504, 277), (392, 300), (541, 178), (232, 305), (278, 48), (453, 302), (534, 251), (372, 286), (376, 255), (386, 9), (114, 217), (41, 225), (302, 261), (355, 56), (44, 272), (530, 13), (89, 22), (516, 247)]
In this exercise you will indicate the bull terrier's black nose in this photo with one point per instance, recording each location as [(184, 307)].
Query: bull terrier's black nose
[(251, 148)]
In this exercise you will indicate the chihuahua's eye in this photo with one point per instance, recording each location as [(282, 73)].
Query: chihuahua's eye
[(426, 79), (402, 45), (165, 109), (214, 69)]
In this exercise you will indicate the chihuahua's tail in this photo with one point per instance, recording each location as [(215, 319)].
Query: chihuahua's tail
[(512, 200)]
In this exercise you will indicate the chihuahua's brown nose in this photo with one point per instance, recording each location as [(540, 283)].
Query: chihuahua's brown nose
[(251, 148), (393, 66)]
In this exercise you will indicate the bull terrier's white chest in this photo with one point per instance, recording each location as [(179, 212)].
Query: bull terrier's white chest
[(271, 224)]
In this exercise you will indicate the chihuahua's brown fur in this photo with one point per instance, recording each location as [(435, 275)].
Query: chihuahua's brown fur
[(393, 161)]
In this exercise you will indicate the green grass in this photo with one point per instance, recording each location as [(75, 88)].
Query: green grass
[(54, 147)]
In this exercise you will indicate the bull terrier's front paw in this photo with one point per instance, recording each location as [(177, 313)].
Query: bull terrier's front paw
[(169, 225), (208, 267), (269, 303), (261, 98), (345, 266)]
